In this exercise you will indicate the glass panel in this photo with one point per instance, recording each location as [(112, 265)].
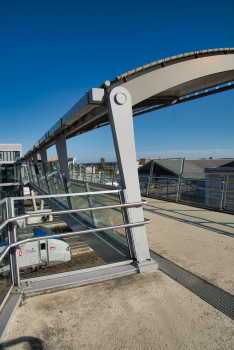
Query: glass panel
[(10, 191), (50, 178), (166, 188), (9, 173), (107, 217), (45, 257), (200, 195), (34, 174), (5, 272), (24, 174), (59, 184), (41, 178), (3, 216), (229, 197), (79, 202), (16, 155), (143, 188)]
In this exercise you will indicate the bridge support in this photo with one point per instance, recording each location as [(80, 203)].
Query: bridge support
[(35, 161), (61, 148), (43, 153), (120, 116)]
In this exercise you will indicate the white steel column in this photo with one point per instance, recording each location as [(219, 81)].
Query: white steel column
[(61, 147), (35, 161), (120, 115), (33, 200), (43, 153)]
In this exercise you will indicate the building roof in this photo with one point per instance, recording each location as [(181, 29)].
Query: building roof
[(209, 163), (194, 168)]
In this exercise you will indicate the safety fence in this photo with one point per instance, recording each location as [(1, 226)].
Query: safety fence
[(216, 192), (80, 172), (32, 250)]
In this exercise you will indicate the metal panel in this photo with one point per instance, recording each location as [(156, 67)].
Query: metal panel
[(82, 103), (55, 127)]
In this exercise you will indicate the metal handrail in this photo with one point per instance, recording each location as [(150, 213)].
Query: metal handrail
[(66, 195), (185, 179), (68, 234), (70, 211), (101, 185)]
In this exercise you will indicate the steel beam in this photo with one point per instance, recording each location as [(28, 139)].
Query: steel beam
[(35, 161), (120, 115), (43, 153), (61, 148)]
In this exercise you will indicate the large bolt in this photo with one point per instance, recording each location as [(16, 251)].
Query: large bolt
[(120, 98), (106, 84)]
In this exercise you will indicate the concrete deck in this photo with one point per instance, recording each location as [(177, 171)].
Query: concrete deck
[(143, 311), (199, 240)]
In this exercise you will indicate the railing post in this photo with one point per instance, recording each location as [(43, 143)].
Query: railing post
[(33, 201), (150, 178), (12, 239), (180, 180), (46, 178), (90, 205), (120, 115), (70, 200), (223, 200)]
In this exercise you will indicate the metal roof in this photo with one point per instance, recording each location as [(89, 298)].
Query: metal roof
[(174, 166), (208, 163)]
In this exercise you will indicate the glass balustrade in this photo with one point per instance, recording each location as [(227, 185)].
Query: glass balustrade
[(5, 267), (57, 255)]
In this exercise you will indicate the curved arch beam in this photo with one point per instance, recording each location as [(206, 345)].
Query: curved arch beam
[(196, 74)]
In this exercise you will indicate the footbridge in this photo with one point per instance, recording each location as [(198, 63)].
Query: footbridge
[(108, 219)]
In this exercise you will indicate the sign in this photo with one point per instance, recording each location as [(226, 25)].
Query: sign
[(52, 248), (20, 253), (20, 222)]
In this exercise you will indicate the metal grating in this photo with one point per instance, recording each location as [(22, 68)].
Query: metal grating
[(213, 295)]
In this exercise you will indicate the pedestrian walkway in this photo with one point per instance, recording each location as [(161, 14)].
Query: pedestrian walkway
[(199, 240), (142, 311)]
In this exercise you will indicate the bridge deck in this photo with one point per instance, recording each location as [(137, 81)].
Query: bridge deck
[(199, 240), (142, 311)]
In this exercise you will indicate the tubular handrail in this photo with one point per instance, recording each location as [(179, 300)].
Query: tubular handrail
[(68, 234), (66, 195), (185, 179), (70, 211)]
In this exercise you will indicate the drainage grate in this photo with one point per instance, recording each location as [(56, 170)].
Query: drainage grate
[(213, 295)]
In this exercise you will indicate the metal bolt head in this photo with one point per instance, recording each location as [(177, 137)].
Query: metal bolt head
[(106, 84), (120, 98)]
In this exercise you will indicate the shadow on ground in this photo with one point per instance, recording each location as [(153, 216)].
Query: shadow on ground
[(31, 343)]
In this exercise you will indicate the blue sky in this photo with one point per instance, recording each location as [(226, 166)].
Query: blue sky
[(53, 51)]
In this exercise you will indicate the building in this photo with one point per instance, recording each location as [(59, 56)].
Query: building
[(10, 182)]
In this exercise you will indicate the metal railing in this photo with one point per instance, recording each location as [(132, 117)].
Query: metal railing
[(13, 222), (79, 172), (69, 234), (205, 192)]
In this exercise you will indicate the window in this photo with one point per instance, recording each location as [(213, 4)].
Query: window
[(16, 155), (42, 246)]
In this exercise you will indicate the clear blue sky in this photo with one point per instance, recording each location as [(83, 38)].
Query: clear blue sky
[(53, 51)]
